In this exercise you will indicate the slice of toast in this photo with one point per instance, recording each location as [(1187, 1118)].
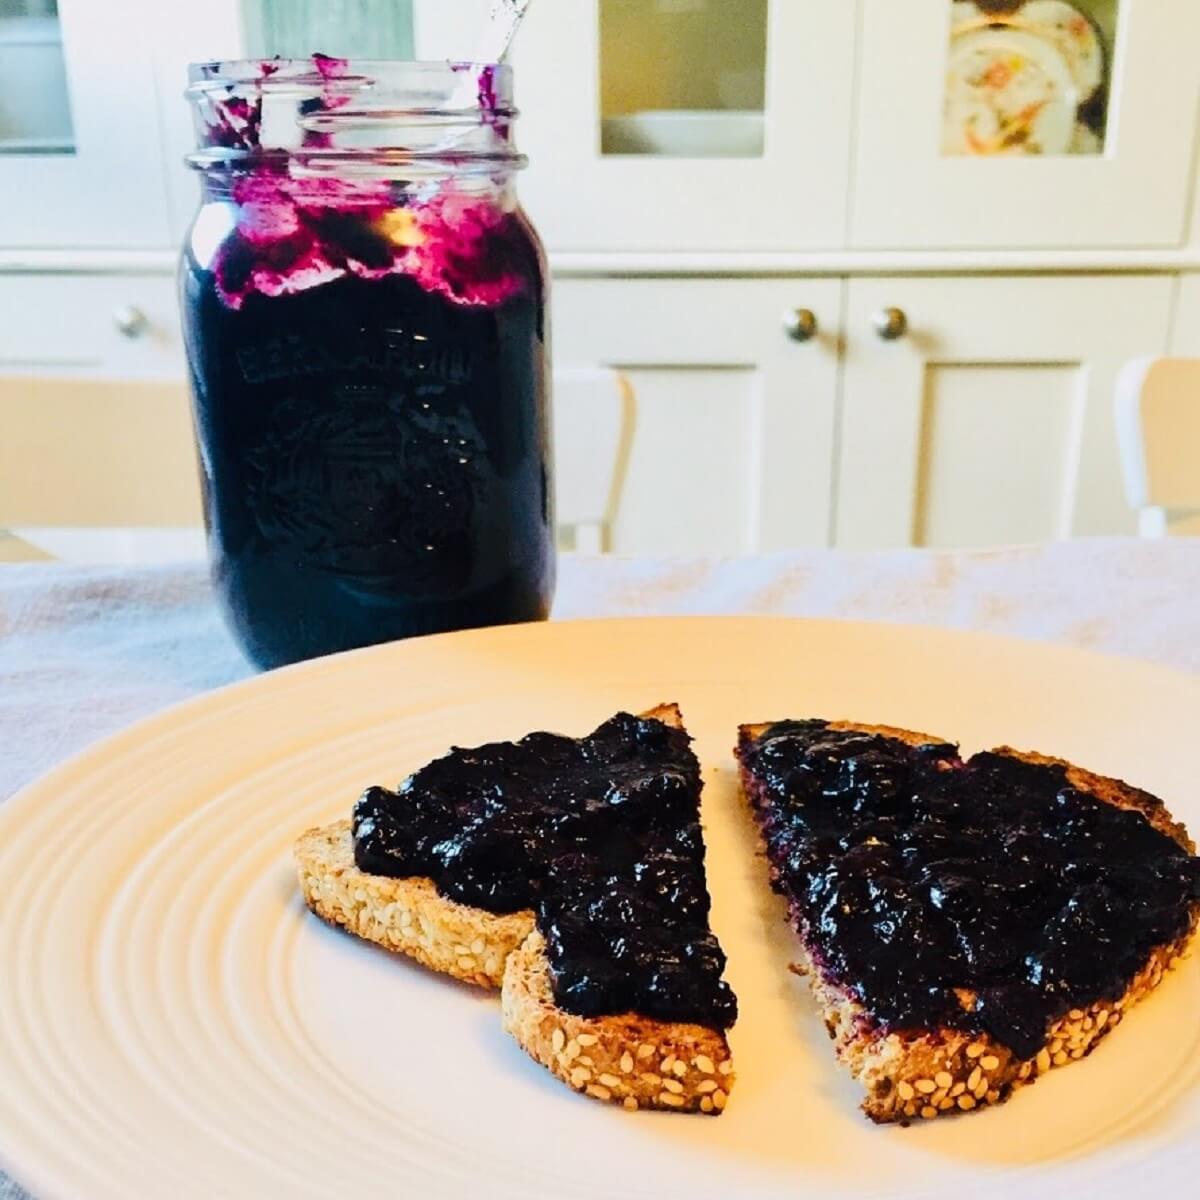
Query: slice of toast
[(624, 1058), (907, 1070)]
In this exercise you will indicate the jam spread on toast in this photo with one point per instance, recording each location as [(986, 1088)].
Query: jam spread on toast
[(600, 836), (987, 895)]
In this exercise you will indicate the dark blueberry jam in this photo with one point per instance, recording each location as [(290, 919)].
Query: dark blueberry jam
[(600, 836), (911, 873), (370, 402)]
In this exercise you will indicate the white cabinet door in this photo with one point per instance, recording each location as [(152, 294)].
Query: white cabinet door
[(982, 135), (97, 180), (689, 125), (114, 327), (729, 444), (990, 421), (93, 121)]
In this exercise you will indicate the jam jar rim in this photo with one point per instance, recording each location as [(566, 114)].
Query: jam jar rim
[(280, 72), (416, 93)]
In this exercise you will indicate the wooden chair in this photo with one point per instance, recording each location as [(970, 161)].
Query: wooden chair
[(593, 431), (1157, 412), (105, 471), (97, 470)]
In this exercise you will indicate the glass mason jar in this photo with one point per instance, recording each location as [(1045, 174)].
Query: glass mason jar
[(365, 319)]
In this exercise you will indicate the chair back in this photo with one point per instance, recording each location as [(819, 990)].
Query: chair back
[(1157, 409), (593, 425), (97, 469), (104, 470)]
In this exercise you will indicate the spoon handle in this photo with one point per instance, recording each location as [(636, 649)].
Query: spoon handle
[(506, 18)]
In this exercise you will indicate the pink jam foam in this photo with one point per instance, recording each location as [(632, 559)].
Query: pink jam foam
[(293, 234)]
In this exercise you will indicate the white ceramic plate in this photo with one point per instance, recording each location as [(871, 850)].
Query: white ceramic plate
[(173, 1023)]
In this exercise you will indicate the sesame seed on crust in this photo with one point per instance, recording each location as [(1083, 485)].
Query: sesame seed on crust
[(406, 916), (619, 1046), (906, 1075)]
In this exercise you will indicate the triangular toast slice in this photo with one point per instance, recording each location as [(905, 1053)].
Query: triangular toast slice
[(568, 872), (965, 926)]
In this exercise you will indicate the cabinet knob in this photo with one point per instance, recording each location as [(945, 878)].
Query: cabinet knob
[(801, 324), (890, 323), (130, 321)]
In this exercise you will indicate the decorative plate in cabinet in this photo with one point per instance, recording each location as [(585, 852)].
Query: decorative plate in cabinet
[(1025, 123)]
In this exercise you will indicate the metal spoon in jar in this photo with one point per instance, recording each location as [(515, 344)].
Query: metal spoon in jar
[(504, 19)]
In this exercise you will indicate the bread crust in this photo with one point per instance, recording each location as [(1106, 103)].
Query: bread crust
[(408, 916), (624, 1059), (929, 1073), (673, 1066)]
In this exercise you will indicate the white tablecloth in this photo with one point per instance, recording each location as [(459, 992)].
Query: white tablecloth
[(84, 651)]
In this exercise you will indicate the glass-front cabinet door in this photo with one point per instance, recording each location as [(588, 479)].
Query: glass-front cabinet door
[(1025, 123), (687, 124), (80, 150)]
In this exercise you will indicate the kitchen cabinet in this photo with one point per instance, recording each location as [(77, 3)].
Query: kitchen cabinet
[(729, 447), (1018, 177), (1122, 179), (989, 420), (80, 155), (694, 125), (687, 126), (93, 126), (96, 326)]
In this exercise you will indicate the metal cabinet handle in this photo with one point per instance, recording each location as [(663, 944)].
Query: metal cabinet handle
[(890, 323), (130, 321), (801, 324)]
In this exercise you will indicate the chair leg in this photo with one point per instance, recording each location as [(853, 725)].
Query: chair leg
[(590, 538), (1152, 522)]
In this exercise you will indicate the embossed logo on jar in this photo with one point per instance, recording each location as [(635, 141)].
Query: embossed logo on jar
[(378, 485), (406, 353)]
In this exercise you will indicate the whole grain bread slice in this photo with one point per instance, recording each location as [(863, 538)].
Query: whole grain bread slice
[(928, 1073), (625, 1059)]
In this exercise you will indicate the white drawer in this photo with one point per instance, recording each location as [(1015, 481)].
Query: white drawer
[(64, 324)]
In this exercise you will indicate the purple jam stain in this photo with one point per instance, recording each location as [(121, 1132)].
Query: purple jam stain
[(492, 113), (236, 123), (296, 233), (489, 102), (329, 68), (487, 89)]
